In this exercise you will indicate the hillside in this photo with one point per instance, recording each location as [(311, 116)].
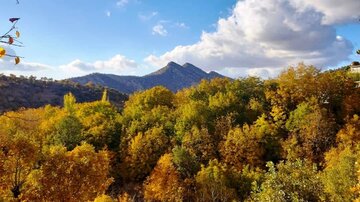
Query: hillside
[(19, 92), (173, 76)]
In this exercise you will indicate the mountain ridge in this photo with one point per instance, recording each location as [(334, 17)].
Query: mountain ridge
[(19, 92), (173, 76)]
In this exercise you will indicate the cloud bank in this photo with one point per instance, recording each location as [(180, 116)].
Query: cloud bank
[(270, 34)]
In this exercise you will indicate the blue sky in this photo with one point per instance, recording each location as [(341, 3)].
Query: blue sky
[(65, 38)]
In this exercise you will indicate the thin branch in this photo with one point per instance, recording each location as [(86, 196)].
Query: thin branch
[(18, 41), (13, 56), (11, 44)]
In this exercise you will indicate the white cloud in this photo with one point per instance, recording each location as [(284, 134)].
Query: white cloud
[(147, 17), (334, 11), (118, 65), (267, 34), (122, 3), (181, 25), (159, 29), (108, 13)]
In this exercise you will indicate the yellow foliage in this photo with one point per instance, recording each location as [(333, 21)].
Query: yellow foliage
[(200, 144), (143, 152), (213, 183), (77, 175), (350, 134), (164, 183), (243, 146), (104, 198)]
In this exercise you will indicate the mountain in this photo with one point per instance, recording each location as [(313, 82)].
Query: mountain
[(173, 76), (18, 92)]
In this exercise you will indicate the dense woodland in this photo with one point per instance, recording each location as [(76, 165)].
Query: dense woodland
[(292, 138)]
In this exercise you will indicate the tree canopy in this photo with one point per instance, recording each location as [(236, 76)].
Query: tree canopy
[(282, 139)]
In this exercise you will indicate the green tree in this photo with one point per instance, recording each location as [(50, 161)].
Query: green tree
[(213, 183), (290, 181), (68, 132), (185, 163)]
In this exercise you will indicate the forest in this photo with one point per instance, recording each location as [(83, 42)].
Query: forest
[(290, 138)]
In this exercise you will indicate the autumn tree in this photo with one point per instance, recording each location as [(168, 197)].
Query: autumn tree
[(336, 91), (200, 144), (69, 103), (241, 147), (342, 164), (143, 152), (100, 124), (164, 182), (312, 132), (105, 97), (300, 83), (213, 183), (20, 149), (17, 158), (349, 135), (77, 175), (251, 144), (148, 109), (293, 86)]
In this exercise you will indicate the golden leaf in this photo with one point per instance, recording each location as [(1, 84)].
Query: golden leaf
[(2, 52), (17, 60)]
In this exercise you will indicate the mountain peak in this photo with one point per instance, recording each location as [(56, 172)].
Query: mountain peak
[(172, 64), (188, 65)]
